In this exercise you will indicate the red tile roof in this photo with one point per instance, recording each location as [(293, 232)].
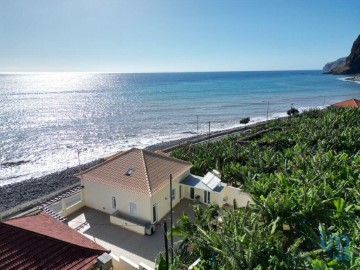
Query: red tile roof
[(150, 171), (350, 103), (42, 242)]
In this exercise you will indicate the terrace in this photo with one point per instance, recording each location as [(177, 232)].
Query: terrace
[(138, 248)]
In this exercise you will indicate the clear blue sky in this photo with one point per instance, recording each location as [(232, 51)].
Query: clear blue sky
[(174, 35)]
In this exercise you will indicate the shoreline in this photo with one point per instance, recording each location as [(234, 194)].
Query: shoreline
[(12, 195)]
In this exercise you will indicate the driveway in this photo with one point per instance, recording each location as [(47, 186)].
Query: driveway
[(138, 248)]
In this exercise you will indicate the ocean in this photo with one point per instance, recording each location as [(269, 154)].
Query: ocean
[(47, 118)]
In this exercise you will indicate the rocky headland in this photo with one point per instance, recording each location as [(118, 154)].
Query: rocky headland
[(352, 62), (331, 65)]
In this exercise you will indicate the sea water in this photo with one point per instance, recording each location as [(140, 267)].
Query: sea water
[(46, 119)]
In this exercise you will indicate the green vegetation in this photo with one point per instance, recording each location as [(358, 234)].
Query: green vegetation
[(245, 120), (305, 184), (292, 111)]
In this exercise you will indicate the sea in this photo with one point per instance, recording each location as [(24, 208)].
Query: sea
[(51, 121)]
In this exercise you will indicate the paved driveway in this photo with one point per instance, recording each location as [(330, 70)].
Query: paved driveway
[(96, 226)]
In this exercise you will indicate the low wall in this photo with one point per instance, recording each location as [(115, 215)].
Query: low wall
[(31, 204), (71, 209), (131, 226), (123, 263), (242, 198)]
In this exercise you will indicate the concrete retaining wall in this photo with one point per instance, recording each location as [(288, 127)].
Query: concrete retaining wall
[(123, 263)]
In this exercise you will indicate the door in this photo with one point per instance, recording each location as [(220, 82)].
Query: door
[(192, 193), (132, 209), (206, 196), (155, 218)]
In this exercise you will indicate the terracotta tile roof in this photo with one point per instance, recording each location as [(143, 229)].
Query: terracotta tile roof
[(150, 171), (350, 103), (42, 242)]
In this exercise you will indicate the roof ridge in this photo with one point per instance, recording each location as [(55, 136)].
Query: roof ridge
[(167, 157), (146, 172), (128, 151), (115, 156)]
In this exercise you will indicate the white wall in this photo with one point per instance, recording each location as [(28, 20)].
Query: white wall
[(228, 192), (68, 210), (99, 197), (242, 198), (123, 263), (216, 197), (163, 205)]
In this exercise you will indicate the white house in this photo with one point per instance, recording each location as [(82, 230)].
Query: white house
[(133, 187)]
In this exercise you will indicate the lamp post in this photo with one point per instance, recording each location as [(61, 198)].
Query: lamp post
[(267, 110), (78, 156)]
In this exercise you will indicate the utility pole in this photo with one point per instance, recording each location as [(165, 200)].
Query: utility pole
[(78, 154), (171, 222), (209, 128), (166, 245)]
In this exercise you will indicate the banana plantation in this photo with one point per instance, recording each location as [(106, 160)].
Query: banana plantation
[(303, 175)]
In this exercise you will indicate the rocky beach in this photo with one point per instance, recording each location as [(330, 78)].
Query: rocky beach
[(17, 193)]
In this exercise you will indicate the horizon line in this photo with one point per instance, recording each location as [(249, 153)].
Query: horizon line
[(149, 72)]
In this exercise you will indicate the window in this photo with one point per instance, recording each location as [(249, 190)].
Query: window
[(173, 194), (132, 209), (154, 213), (129, 172), (113, 202), (180, 191), (192, 193)]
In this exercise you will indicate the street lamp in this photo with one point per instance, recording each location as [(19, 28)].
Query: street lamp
[(78, 156), (267, 111)]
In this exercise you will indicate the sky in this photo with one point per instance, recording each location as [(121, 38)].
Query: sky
[(174, 35)]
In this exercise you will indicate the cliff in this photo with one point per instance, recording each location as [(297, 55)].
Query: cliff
[(331, 65), (352, 63)]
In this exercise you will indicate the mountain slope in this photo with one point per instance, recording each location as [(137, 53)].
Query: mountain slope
[(352, 63)]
